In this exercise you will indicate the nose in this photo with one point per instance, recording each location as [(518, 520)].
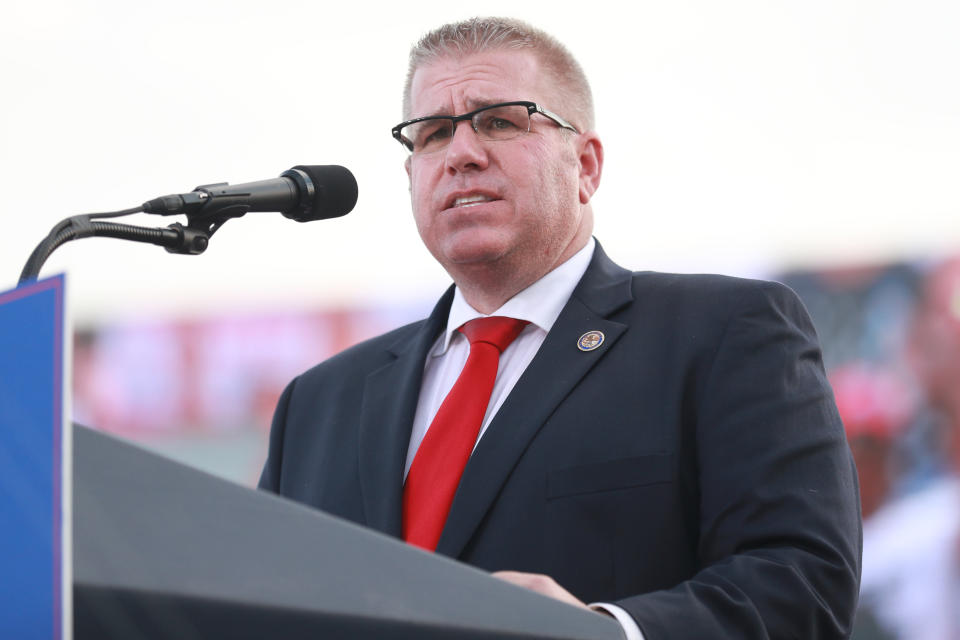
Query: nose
[(466, 151)]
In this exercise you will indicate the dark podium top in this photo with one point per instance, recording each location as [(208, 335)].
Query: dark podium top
[(161, 550)]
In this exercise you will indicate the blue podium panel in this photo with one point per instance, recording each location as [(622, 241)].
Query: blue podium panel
[(32, 520)]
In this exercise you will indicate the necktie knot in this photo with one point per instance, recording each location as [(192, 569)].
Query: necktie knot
[(499, 331)]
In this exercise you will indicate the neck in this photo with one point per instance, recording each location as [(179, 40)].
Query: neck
[(487, 298), (488, 286)]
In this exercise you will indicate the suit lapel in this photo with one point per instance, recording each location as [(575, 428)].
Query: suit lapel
[(389, 404), (557, 368)]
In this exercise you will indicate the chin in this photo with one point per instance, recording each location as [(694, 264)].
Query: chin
[(474, 256), (475, 249)]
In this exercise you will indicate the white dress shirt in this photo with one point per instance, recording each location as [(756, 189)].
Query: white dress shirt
[(539, 304)]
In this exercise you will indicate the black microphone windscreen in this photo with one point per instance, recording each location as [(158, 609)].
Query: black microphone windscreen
[(336, 191)]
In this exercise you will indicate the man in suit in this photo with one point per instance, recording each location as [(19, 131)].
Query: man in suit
[(663, 446)]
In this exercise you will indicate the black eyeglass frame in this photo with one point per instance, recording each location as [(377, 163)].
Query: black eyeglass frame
[(532, 108)]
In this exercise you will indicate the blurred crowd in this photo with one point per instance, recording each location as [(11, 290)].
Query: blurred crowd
[(891, 342)]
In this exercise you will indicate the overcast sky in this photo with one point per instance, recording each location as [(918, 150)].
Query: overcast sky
[(741, 137)]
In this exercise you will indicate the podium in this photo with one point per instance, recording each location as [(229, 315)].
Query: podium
[(162, 550)]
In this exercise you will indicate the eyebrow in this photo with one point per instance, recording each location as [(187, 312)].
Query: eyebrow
[(472, 105)]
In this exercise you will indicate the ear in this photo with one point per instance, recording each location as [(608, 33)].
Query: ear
[(591, 164)]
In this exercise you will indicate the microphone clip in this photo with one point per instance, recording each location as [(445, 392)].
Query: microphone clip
[(202, 223)]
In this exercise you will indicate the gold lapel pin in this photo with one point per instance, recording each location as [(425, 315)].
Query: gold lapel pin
[(590, 340)]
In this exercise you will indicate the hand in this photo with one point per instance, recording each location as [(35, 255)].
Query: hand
[(544, 585)]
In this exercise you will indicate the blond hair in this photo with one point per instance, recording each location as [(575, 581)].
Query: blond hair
[(476, 35)]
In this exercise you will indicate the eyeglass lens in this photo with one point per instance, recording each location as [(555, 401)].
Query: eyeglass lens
[(494, 123)]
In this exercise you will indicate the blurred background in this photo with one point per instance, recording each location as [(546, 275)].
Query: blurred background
[(814, 143)]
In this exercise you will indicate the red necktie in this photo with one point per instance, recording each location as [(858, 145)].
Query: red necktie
[(441, 457)]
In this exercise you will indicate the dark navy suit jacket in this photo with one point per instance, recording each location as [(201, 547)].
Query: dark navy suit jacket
[(692, 469)]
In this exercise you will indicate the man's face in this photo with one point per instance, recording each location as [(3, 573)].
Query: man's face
[(512, 202)]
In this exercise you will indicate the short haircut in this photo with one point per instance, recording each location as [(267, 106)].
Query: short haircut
[(476, 35)]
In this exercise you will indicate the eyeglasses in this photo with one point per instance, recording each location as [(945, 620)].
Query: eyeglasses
[(501, 121)]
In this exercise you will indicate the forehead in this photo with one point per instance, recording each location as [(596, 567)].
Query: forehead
[(454, 84)]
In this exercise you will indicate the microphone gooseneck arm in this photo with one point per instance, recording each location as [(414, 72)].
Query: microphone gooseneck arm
[(175, 238)]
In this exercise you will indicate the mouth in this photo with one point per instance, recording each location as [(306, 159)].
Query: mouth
[(465, 200)]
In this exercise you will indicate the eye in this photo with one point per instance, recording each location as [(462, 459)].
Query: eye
[(430, 134), (496, 123), (502, 123)]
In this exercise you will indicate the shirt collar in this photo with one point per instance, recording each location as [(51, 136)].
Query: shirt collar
[(539, 304)]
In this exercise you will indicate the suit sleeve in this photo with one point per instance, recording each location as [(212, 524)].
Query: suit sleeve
[(779, 545), (270, 476)]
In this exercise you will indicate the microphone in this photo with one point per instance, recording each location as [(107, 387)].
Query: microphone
[(303, 193)]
